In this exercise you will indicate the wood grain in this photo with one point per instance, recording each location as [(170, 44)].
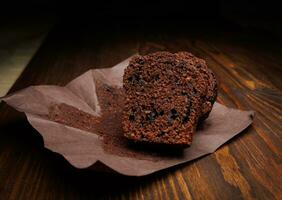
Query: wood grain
[(248, 67)]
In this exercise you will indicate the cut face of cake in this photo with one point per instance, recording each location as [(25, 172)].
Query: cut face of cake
[(166, 95)]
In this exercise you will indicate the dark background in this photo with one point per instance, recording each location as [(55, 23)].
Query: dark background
[(265, 15)]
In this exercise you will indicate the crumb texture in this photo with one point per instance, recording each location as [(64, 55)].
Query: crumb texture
[(166, 95), (108, 125)]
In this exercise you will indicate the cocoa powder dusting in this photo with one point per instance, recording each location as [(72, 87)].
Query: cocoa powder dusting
[(108, 125)]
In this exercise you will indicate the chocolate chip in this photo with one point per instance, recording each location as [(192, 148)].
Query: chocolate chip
[(161, 113), (161, 133), (152, 115), (131, 117), (137, 79), (141, 62), (194, 92), (156, 77), (134, 78), (185, 118), (172, 115)]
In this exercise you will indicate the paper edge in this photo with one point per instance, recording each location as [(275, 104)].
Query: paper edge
[(136, 173)]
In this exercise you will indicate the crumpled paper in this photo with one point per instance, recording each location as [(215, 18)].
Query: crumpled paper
[(84, 149)]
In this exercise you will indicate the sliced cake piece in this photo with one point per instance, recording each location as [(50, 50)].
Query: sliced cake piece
[(165, 94), (210, 81)]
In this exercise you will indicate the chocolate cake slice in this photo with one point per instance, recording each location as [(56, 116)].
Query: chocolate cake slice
[(210, 81), (166, 95)]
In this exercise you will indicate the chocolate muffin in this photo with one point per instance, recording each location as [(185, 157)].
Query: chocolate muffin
[(166, 95)]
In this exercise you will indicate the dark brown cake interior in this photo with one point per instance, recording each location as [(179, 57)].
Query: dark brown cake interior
[(165, 94)]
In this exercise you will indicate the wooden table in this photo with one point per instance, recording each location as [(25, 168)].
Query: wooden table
[(248, 67)]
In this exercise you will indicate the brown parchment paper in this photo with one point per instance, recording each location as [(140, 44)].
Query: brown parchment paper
[(83, 149)]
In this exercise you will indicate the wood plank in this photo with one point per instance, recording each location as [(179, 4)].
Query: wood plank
[(248, 167)]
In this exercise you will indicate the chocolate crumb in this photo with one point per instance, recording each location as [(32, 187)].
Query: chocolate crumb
[(177, 94), (108, 125)]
